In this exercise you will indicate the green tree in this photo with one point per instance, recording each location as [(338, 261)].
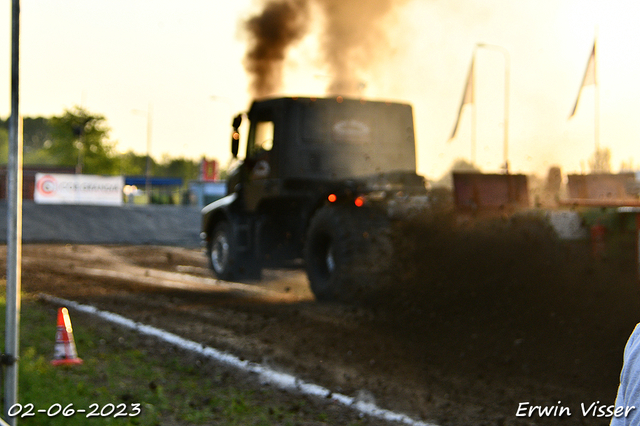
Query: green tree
[(178, 167), (79, 138), (36, 134), (60, 140), (132, 164)]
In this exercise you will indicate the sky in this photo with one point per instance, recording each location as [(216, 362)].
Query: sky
[(184, 62)]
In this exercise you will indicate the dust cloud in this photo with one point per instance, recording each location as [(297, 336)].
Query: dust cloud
[(352, 39)]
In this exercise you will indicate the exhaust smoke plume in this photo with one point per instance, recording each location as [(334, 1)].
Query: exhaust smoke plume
[(281, 23), (352, 39)]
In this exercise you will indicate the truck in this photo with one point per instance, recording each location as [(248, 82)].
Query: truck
[(319, 186)]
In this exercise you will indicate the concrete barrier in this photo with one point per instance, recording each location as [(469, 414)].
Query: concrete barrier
[(128, 224)]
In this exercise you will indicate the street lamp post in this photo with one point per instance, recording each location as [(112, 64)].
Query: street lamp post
[(507, 74), (147, 175), (10, 356), (79, 130)]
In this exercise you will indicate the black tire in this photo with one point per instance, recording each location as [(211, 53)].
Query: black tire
[(326, 252), (347, 252), (221, 251)]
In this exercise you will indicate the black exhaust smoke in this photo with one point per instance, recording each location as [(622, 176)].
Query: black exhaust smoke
[(353, 39), (280, 24)]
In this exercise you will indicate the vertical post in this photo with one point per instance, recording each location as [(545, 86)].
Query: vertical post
[(596, 119), (147, 182), (147, 173), (507, 77), (474, 126), (80, 144), (14, 226), (473, 134)]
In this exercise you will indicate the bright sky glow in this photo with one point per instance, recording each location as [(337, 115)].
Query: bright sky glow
[(185, 58)]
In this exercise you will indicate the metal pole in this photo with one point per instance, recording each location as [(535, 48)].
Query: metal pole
[(80, 144), (14, 226), (474, 131), (596, 120), (507, 77), (147, 173), (147, 183)]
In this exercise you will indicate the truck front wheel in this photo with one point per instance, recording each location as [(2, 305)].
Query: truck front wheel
[(222, 251)]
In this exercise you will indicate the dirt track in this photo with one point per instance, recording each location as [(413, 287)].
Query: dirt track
[(477, 321)]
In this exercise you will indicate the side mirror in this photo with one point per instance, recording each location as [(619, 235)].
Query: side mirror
[(237, 121), (235, 143), (235, 138)]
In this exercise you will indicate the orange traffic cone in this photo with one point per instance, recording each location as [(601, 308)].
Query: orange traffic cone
[(64, 352)]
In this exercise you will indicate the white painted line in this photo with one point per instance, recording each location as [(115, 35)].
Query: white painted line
[(267, 375)]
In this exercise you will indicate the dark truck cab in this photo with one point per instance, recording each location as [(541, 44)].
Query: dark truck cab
[(320, 176)]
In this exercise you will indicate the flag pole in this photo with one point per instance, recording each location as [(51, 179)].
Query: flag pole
[(596, 120), (474, 127), (507, 77)]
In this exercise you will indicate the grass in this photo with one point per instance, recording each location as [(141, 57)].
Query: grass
[(123, 368)]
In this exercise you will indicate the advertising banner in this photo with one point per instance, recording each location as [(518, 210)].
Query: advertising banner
[(78, 189)]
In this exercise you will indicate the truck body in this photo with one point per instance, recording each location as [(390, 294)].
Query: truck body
[(320, 178)]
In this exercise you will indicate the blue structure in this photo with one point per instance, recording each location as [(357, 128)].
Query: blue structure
[(162, 190), (141, 181)]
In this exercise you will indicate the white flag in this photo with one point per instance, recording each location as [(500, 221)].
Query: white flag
[(589, 76), (467, 98)]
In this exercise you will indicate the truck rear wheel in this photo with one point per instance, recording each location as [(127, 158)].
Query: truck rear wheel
[(326, 253), (347, 252)]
